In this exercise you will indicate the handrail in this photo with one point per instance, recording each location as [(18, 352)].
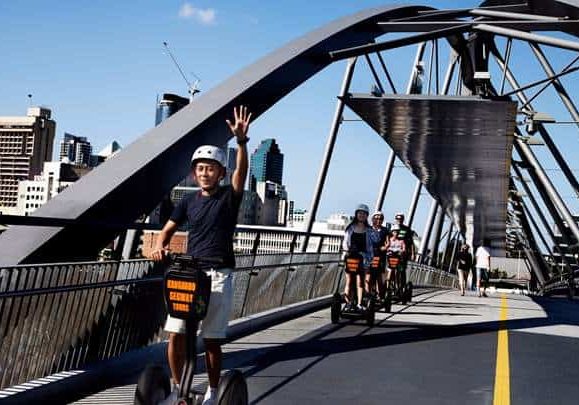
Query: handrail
[(88, 286), (50, 222)]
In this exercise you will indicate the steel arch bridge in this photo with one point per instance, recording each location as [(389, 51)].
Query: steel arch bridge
[(476, 187)]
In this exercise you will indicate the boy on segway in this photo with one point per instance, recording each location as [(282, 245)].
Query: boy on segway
[(211, 215)]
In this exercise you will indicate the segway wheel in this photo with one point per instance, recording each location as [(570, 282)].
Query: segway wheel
[(232, 389), (370, 313), (409, 288), (403, 296), (388, 303), (336, 308), (153, 386)]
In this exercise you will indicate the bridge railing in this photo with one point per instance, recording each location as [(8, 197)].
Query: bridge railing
[(565, 283), (422, 275), (62, 316), (58, 317)]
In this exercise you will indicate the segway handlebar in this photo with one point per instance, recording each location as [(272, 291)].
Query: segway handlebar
[(194, 261)]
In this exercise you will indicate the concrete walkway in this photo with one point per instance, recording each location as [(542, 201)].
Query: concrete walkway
[(440, 349)]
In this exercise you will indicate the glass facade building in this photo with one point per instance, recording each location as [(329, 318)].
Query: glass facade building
[(169, 105), (266, 164), (76, 150)]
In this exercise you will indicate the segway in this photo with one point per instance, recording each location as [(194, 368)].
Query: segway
[(187, 291), (339, 308), (386, 298), (402, 291), (396, 290)]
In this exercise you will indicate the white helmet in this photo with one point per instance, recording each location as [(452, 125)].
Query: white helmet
[(363, 207), (209, 152), (378, 214)]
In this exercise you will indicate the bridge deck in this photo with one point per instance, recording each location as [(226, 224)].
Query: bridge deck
[(441, 348)]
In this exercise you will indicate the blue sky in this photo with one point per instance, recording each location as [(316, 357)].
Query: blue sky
[(99, 66)]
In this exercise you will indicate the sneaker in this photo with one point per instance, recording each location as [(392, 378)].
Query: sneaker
[(210, 397), (484, 294), (360, 308)]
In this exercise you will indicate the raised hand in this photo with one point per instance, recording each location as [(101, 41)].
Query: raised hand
[(241, 124)]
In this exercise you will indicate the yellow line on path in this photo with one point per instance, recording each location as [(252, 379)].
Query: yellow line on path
[(502, 394)]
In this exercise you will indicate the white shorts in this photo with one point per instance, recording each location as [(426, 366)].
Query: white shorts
[(214, 326)]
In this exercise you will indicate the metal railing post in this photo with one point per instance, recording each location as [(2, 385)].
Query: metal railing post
[(254, 249), (319, 251), (292, 248)]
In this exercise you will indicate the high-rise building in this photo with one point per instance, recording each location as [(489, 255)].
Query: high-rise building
[(168, 105), (272, 204), (55, 177), (230, 164), (266, 164), (25, 144), (76, 150)]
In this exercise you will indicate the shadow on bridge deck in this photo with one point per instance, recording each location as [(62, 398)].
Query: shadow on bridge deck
[(441, 348)]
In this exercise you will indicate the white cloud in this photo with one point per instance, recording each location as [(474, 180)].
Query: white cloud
[(205, 16)]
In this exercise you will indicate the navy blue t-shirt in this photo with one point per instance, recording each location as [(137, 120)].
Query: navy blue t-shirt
[(211, 223)]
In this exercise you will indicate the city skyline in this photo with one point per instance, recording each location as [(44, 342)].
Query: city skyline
[(137, 69)]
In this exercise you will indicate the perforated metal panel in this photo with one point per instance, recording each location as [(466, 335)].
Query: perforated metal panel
[(459, 148)]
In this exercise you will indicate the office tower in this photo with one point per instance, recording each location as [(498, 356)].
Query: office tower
[(266, 164), (76, 150), (168, 105), (25, 144)]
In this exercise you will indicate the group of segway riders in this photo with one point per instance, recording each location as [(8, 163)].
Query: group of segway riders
[(376, 257)]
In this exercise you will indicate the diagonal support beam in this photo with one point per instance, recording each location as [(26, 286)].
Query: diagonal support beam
[(526, 36), (523, 25), (561, 91), (546, 80), (392, 156), (397, 43), (544, 133), (547, 227), (330, 144), (515, 16)]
